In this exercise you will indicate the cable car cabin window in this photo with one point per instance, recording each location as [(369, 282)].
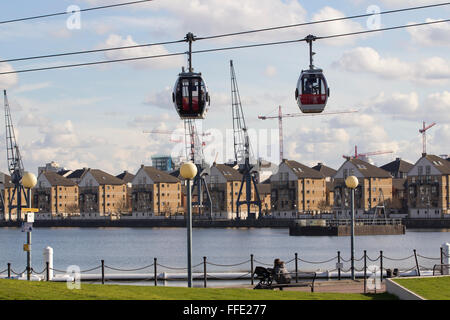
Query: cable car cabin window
[(191, 97), (313, 90)]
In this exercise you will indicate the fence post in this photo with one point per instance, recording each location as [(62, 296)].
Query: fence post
[(417, 263), (251, 268), (9, 270), (381, 266), (339, 265), (155, 264), (296, 267), (47, 270), (103, 271), (365, 271), (442, 260), (204, 272)]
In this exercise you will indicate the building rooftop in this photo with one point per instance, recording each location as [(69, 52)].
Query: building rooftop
[(160, 176), (228, 172), (125, 176), (76, 174), (368, 170), (397, 166), (439, 163), (105, 178), (57, 180), (303, 171), (324, 170)]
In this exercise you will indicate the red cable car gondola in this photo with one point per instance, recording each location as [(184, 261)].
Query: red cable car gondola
[(190, 96), (312, 91), (190, 93)]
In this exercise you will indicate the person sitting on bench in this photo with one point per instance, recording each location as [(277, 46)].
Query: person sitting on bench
[(280, 273)]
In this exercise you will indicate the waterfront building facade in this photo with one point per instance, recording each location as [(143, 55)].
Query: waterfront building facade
[(156, 193), (329, 174), (6, 189), (224, 183), (55, 195), (101, 194), (373, 196), (127, 178), (399, 171), (428, 188), (296, 189)]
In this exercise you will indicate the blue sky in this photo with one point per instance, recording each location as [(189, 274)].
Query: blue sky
[(95, 116)]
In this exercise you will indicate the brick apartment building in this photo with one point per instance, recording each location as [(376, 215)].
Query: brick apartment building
[(55, 195), (6, 189), (399, 171), (428, 188), (297, 189), (101, 193), (329, 174), (156, 193), (224, 184), (374, 189), (127, 178)]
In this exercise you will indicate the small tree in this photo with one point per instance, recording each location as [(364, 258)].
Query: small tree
[(122, 207), (72, 208), (323, 206)]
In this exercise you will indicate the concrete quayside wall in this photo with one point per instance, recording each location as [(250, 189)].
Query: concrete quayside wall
[(204, 223)]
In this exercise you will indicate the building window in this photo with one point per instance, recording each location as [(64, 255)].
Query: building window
[(420, 170)]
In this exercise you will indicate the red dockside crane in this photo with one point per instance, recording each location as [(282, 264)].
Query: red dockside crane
[(366, 154), (293, 115), (423, 131)]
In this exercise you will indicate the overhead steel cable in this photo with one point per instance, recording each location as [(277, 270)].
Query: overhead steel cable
[(92, 51), (71, 12), (322, 21), (217, 36), (222, 49), (383, 29)]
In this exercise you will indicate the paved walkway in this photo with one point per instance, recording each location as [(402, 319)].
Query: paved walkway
[(337, 286)]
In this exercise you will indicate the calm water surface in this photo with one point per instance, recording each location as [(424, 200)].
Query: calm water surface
[(131, 248)]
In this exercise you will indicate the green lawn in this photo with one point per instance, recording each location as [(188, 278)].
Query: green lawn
[(23, 290), (437, 288)]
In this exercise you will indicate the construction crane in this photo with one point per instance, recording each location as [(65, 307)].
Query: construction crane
[(423, 131), (366, 154), (15, 165), (294, 115), (242, 152), (194, 153)]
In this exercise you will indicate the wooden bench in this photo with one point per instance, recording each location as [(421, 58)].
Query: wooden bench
[(267, 281)]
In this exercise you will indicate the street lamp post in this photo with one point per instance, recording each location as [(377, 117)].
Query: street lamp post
[(188, 171), (352, 182), (28, 181)]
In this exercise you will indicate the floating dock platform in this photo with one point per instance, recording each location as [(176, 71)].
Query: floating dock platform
[(363, 227)]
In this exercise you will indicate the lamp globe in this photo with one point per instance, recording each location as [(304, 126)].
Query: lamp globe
[(29, 180), (188, 170), (351, 182)]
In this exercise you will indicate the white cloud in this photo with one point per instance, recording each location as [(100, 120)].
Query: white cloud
[(160, 63), (431, 35), (407, 3), (8, 80), (410, 107), (338, 27), (368, 60)]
